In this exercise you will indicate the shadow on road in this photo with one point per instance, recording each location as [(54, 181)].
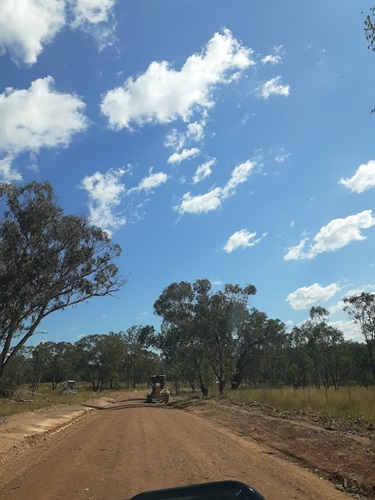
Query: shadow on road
[(140, 402), (128, 403)]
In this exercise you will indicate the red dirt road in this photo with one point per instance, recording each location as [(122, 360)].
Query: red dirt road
[(131, 447)]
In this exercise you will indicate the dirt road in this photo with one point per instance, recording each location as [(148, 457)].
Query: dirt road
[(131, 447)]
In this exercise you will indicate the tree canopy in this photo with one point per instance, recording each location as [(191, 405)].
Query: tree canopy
[(361, 309), (48, 261), (199, 328)]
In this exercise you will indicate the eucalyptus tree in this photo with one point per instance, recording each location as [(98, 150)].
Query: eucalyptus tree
[(370, 28), (255, 333), (100, 358), (361, 309), (138, 362), (61, 362), (199, 327), (325, 347), (178, 339), (48, 261)]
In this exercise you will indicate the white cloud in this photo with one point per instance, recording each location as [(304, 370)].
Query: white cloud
[(273, 87), (153, 181), (274, 58), (201, 203), (175, 140), (92, 11), (216, 282), (195, 131), (186, 153), (313, 295), (363, 179), (95, 17), (369, 288), (241, 239), (39, 117), (27, 26), (6, 172), (162, 94), (335, 235), (339, 306), (239, 175), (105, 192), (296, 252), (212, 199), (282, 156), (203, 170), (349, 329), (271, 58)]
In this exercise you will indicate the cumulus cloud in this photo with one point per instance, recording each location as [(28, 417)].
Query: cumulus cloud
[(39, 117), (241, 239), (339, 306), (175, 139), (349, 329), (163, 94), (27, 26), (309, 296), (7, 173), (95, 17), (212, 200), (271, 58), (186, 153), (239, 175), (216, 282), (105, 194), (335, 235), (275, 58), (201, 203), (204, 170), (195, 131), (153, 181), (273, 87), (92, 11), (363, 179)]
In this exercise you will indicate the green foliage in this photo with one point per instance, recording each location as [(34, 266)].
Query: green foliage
[(100, 357), (370, 29), (13, 377), (48, 261), (361, 309), (199, 329), (139, 363), (323, 345)]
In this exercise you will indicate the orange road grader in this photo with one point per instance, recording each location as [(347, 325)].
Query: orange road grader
[(158, 393)]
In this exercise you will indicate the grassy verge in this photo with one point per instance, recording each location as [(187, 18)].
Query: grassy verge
[(45, 397), (347, 402)]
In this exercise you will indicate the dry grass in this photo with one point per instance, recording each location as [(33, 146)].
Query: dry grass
[(45, 397), (347, 402)]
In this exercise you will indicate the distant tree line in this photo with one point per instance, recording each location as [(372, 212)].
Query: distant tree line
[(208, 340), (211, 338), (110, 361), (50, 261)]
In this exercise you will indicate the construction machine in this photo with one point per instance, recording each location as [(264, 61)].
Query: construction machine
[(159, 393)]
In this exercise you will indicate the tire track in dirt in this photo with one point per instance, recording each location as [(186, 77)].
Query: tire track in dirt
[(131, 447)]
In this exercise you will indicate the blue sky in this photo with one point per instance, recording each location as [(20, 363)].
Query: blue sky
[(229, 140)]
